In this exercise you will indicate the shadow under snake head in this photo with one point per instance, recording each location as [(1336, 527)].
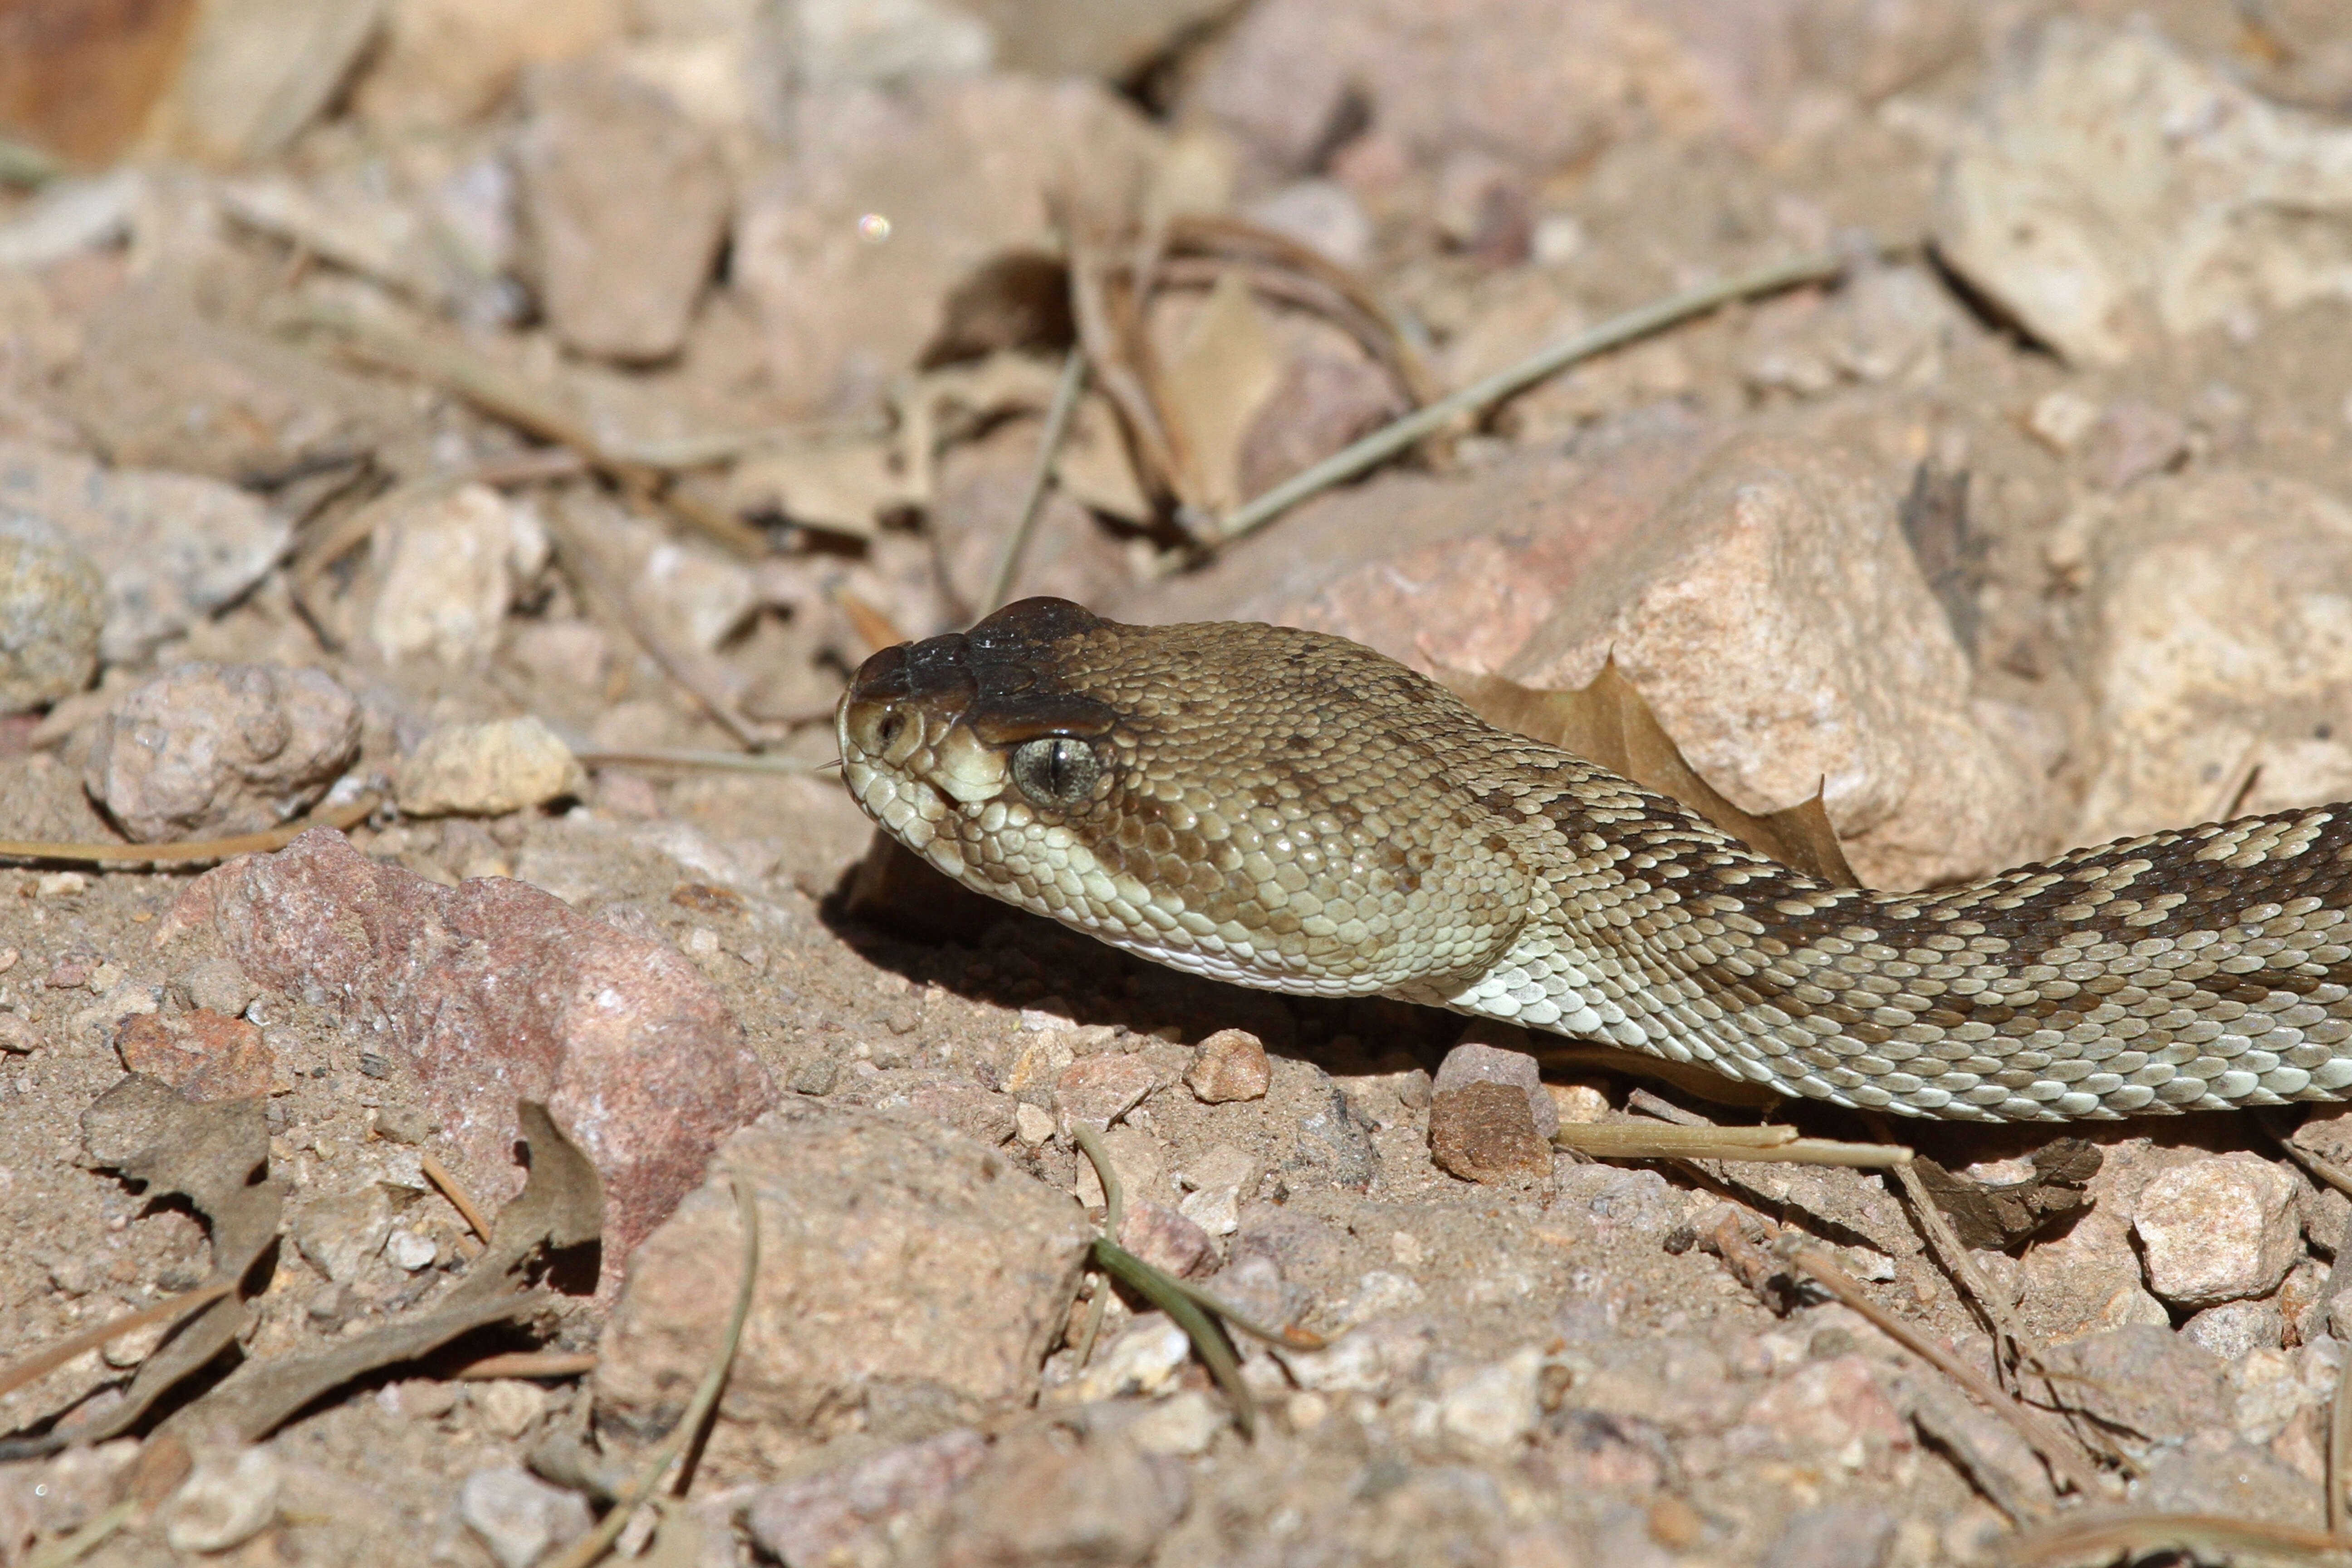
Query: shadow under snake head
[(1253, 803)]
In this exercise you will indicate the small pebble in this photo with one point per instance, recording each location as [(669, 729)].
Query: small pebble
[(1229, 1066), (1142, 1360), (1166, 1239), (486, 770), (1476, 1061), (1495, 1406), (218, 985), (203, 1055), (1181, 1425), (224, 1502), (52, 608), (1486, 1132), (406, 1249), (2063, 420), (509, 1406), (518, 1516), (402, 1124), (1579, 1104)]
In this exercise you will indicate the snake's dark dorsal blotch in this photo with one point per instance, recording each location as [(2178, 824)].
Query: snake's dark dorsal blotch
[(1292, 811)]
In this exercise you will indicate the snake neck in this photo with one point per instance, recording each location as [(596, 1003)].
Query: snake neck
[(2204, 969)]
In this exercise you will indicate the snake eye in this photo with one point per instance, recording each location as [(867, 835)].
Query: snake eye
[(1056, 770)]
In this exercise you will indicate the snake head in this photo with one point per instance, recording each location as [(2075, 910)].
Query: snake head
[(1250, 802), (956, 721)]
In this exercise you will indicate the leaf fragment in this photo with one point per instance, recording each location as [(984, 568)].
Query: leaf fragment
[(558, 1215), (215, 1155), (1608, 721), (1213, 388)]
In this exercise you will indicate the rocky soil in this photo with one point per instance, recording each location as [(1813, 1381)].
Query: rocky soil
[(471, 424)]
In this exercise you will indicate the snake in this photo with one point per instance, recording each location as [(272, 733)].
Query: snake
[(1291, 811)]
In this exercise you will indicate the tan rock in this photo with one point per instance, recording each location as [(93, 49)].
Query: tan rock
[(174, 548), (2148, 1387), (52, 608), (1230, 1065), (1098, 1090), (892, 1255), (2114, 187), (2218, 609), (627, 201), (2088, 1280), (892, 198), (2219, 1230), (486, 770), (444, 62), (1780, 629), (209, 749), (448, 569)]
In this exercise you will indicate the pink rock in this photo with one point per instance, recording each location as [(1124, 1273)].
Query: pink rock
[(855, 1510), (1539, 83), (1098, 1090), (202, 1055), (498, 992), (1824, 1407), (1166, 1241), (1457, 571), (1779, 626)]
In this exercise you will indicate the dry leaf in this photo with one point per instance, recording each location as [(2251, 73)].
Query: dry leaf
[(1094, 467), (1215, 385), (1020, 300), (553, 1225), (938, 405), (842, 487), (209, 1154), (256, 71), (1990, 1218), (1609, 722)]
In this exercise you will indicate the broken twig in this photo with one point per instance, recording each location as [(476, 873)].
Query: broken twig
[(2055, 1450), (1041, 475), (1389, 439), (340, 817)]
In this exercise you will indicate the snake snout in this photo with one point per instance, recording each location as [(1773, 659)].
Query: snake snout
[(904, 694)]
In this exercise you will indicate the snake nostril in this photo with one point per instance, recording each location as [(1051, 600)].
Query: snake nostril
[(888, 730)]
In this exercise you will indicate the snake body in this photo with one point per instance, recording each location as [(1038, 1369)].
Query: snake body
[(1291, 811)]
